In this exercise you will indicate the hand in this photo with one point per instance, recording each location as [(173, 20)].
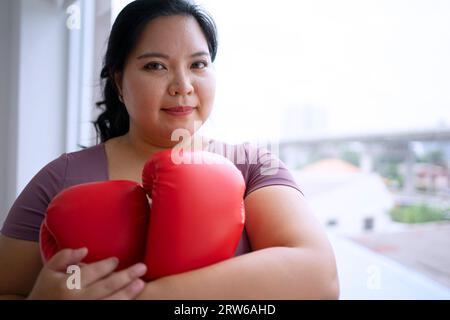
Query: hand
[(98, 281)]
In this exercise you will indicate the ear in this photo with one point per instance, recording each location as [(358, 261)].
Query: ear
[(118, 81)]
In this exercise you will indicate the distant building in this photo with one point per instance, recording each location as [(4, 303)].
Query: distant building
[(432, 178), (345, 199)]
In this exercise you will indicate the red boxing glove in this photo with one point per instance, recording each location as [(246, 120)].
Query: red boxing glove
[(197, 214), (109, 218)]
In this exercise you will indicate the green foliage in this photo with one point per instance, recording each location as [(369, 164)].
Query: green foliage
[(418, 214), (351, 157), (434, 157), (388, 167), (391, 172)]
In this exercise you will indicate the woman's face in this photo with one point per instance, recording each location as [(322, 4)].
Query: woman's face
[(169, 67)]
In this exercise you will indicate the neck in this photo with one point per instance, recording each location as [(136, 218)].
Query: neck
[(143, 150)]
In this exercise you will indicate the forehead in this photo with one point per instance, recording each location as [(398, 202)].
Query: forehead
[(171, 35)]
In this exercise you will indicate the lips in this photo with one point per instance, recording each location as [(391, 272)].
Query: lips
[(179, 110)]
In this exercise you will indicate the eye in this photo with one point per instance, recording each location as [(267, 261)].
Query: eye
[(154, 66), (200, 64)]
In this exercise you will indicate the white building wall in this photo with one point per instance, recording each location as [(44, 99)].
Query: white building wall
[(48, 75), (9, 29), (33, 86), (42, 83)]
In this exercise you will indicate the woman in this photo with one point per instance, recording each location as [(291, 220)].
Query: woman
[(159, 77)]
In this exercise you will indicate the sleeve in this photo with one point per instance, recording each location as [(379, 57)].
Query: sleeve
[(266, 169), (28, 211)]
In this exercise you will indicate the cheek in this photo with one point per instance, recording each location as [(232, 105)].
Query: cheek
[(143, 95), (207, 93), (141, 88)]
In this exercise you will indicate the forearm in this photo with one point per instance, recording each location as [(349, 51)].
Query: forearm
[(11, 297), (272, 273)]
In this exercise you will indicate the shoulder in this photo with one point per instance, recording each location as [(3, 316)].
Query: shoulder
[(28, 210), (86, 165), (87, 156), (259, 165), (68, 169), (71, 168)]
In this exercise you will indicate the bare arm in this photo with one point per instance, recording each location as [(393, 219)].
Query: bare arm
[(22, 275), (20, 264), (292, 258)]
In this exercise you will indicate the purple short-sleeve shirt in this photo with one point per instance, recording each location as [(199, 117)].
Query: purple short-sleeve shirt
[(258, 166)]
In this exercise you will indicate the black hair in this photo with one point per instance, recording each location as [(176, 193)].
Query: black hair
[(125, 32)]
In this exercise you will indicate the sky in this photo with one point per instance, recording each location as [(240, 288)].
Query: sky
[(290, 69)]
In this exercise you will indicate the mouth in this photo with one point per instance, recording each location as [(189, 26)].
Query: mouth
[(179, 110)]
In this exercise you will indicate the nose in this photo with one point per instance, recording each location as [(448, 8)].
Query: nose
[(181, 85)]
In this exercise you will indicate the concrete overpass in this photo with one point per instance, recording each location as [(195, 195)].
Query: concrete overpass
[(385, 137), (370, 145)]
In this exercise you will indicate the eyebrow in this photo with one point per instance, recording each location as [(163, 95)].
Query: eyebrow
[(165, 56)]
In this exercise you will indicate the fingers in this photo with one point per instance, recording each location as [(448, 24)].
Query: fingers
[(124, 284), (62, 259), (98, 279), (93, 272), (131, 291)]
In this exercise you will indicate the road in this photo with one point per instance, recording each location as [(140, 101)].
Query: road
[(424, 248), (367, 275)]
